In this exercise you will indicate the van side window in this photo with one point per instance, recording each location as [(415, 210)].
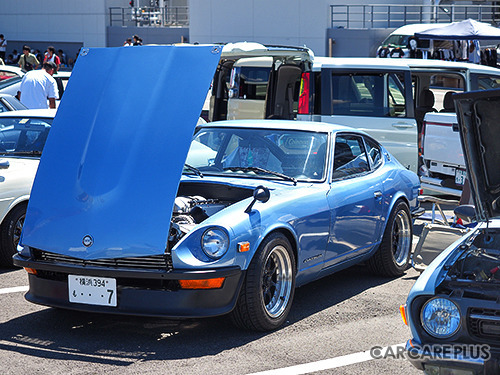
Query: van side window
[(396, 100), (365, 94), (349, 156), (487, 82)]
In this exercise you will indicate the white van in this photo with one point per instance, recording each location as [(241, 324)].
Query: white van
[(402, 41), (386, 98)]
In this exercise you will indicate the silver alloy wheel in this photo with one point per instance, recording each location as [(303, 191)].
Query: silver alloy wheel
[(401, 237), (18, 227), (277, 281)]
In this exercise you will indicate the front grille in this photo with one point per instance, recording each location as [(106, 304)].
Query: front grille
[(484, 323), (154, 262)]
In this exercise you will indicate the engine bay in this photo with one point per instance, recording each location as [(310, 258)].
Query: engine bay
[(480, 259), (196, 202)]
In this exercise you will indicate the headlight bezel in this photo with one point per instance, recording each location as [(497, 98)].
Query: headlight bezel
[(215, 232), (428, 329)]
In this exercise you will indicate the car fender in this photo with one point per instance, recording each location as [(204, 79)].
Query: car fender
[(19, 200)]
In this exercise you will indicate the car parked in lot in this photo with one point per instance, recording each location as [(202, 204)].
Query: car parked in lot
[(22, 137), (7, 72), (10, 103), (254, 210), (453, 308)]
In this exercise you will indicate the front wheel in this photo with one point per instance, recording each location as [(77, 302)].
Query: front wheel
[(267, 292), (11, 233), (393, 255)]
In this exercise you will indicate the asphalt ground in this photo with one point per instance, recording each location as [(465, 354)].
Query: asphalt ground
[(335, 320)]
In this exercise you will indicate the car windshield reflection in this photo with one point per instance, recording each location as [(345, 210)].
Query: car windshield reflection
[(245, 152)]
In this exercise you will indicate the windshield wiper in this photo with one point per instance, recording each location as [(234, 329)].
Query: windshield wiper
[(193, 169), (262, 170)]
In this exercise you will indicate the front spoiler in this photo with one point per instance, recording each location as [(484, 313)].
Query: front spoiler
[(143, 293)]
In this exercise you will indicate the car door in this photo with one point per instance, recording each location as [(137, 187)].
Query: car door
[(375, 101), (355, 199)]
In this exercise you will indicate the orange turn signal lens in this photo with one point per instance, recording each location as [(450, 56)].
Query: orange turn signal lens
[(243, 246), (402, 310), (202, 284), (30, 270)]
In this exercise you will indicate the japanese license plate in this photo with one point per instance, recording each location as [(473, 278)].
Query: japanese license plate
[(460, 175), (92, 290)]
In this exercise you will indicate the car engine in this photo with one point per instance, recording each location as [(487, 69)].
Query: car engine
[(189, 211), (480, 261)]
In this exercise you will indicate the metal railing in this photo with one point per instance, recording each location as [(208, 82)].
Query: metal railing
[(396, 15), (149, 16)]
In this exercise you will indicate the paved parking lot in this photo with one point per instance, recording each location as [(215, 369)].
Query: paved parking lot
[(338, 316), (332, 326)]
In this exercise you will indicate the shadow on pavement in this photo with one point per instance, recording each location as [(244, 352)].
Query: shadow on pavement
[(122, 340)]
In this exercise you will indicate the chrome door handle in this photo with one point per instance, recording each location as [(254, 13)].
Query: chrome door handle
[(4, 164), (377, 194)]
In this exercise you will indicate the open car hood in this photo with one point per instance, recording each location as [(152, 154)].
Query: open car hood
[(110, 170), (479, 123)]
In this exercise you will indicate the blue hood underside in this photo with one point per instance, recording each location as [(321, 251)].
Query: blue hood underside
[(112, 163)]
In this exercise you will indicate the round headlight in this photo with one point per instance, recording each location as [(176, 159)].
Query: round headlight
[(214, 243), (440, 317)]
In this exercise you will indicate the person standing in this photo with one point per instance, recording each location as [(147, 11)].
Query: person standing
[(3, 47), (137, 40), (50, 56), (28, 61), (37, 86)]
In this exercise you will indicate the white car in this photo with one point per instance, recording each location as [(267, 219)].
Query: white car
[(22, 137)]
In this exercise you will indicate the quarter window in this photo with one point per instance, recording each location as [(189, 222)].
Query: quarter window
[(374, 153)]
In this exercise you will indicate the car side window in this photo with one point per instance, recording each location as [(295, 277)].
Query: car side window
[(374, 153), (368, 94), (349, 156)]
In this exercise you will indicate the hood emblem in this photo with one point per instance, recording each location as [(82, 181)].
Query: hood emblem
[(88, 241)]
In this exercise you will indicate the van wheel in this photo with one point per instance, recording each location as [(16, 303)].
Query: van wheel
[(393, 254), (10, 231), (267, 292)]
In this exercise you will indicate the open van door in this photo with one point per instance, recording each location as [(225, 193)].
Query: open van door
[(283, 81)]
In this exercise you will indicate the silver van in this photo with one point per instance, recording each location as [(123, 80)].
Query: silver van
[(387, 98)]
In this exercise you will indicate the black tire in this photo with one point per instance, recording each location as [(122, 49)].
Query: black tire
[(269, 286), (383, 52), (10, 232), (393, 254)]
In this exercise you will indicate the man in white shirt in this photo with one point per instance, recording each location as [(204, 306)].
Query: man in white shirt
[(37, 86)]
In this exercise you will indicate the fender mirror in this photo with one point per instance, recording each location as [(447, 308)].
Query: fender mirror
[(261, 194)]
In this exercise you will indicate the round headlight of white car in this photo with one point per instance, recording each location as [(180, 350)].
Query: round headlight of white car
[(214, 243), (440, 317)]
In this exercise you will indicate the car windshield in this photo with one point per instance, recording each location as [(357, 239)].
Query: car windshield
[(23, 135), (262, 153)]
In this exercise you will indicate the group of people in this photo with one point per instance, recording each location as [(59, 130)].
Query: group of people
[(134, 41), (31, 59)]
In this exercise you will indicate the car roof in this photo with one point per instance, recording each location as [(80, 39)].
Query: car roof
[(282, 124), (397, 64), (50, 113), (12, 68)]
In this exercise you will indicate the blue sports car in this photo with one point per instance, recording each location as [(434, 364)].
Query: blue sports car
[(132, 214)]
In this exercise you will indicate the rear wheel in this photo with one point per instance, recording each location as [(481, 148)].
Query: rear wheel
[(393, 255), (267, 292), (10, 231)]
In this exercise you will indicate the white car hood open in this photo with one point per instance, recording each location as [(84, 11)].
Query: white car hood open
[(478, 115), (110, 170)]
